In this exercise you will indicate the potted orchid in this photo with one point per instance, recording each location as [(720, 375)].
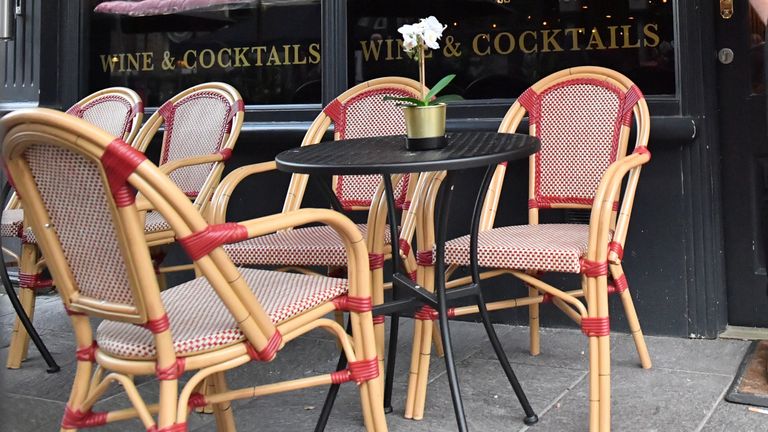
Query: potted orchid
[(425, 116)]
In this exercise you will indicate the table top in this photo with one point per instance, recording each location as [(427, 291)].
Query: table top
[(388, 155)]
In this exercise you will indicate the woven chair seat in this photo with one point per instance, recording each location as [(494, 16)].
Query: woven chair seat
[(311, 246), (155, 222), (200, 322), (546, 247), (12, 223)]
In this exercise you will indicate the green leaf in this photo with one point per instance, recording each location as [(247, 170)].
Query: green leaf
[(445, 99), (440, 85), (414, 101)]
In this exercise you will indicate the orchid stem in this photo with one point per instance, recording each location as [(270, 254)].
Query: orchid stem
[(422, 73)]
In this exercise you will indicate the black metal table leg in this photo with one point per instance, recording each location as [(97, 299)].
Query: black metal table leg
[(333, 390), (23, 317), (394, 321), (530, 416), (441, 209)]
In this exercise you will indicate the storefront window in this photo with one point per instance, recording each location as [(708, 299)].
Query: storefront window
[(497, 48), (268, 50)]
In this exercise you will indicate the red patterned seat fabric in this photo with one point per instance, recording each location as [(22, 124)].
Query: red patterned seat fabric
[(319, 245), (155, 222), (205, 323), (12, 223), (548, 247)]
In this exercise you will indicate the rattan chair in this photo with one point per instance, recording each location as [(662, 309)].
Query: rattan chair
[(72, 175), (119, 112), (202, 124), (583, 118), (358, 112)]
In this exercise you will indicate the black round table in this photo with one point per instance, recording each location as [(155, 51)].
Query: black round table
[(387, 155)]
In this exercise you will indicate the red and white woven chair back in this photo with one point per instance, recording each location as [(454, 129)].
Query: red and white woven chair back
[(117, 110), (197, 124), (367, 114), (578, 121)]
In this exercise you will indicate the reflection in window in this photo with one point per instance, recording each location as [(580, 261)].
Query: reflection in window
[(756, 52), (498, 48), (269, 50)]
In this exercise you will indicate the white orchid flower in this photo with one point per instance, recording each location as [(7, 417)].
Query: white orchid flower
[(430, 39), (431, 24), (409, 43)]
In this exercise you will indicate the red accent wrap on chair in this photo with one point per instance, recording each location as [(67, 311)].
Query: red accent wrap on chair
[(615, 206), (196, 400), (269, 351), (136, 109), (616, 248), (621, 283), (76, 110), (70, 312), (120, 161), (201, 243), (87, 353), (335, 110), (406, 205), (158, 325), (166, 111), (375, 261), (642, 150), (240, 105), (547, 298), (176, 427), (378, 319), (33, 281), (172, 372), (359, 371), (225, 154), (532, 204), (633, 96), (353, 304), (529, 99), (593, 268), (76, 419), (428, 313), (405, 247), (425, 258), (413, 275), (596, 326), (504, 163)]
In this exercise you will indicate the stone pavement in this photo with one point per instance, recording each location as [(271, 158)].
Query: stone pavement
[(682, 392)]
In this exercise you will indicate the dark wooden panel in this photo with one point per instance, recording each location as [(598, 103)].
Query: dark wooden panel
[(20, 58)]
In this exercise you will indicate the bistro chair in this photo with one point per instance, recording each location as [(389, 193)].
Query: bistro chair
[(358, 112), (119, 112), (72, 175), (582, 117), (202, 124)]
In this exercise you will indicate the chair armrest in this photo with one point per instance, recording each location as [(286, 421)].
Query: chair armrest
[(222, 194), (172, 166)]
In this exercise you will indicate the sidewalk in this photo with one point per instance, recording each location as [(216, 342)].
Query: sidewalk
[(682, 392)]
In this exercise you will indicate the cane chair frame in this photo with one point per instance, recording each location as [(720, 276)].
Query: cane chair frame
[(30, 261), (228, 140), (607, 234), (41, 126)]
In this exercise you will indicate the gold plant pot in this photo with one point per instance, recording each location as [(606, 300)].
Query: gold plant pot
[(425, 127)]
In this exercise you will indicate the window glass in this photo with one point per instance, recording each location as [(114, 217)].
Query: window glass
[(268, 50), (498, 48)]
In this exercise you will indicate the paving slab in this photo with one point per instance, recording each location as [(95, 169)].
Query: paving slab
[(729, 417)]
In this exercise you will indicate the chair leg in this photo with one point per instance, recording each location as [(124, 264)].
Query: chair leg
[(438, 342), (413, 370), (428, 328), (225, 420), (604, 347), (533, 323), (80, 387), (594, 385), (634, 323)]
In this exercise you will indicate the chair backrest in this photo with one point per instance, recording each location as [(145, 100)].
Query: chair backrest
[(360, 112), (201, 121), (77, 182), (117, 110), (582, 116)]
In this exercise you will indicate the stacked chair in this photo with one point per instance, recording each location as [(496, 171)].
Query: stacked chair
[(583, 118), (69, 172), (118, 111)]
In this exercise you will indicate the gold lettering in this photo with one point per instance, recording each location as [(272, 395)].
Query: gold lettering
[(613, 37), (476, 47), (220, 60), (133, 61), (626, 29), (296, 55), (146, 64), (574, 33), (121, 57), (652, 35), (287, 54), (259, 50), (206, 58), (550, 40), (108, 61), (510, 45), (240, 60), (371, 49), (399, 49), (314, 53), (185, 58), (594, 39), (523, 48), (389, 50), (274, 57)]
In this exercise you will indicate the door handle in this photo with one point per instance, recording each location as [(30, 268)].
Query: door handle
[(726, 9)]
